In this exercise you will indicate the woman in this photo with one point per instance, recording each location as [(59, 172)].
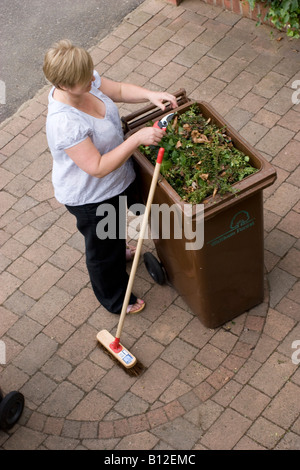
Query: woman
[(91, 160)]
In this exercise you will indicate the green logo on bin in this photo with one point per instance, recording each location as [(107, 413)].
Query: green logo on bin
[(240, 221)]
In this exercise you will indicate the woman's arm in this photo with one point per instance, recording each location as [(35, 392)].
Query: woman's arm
[(128, 93), (86, 156)]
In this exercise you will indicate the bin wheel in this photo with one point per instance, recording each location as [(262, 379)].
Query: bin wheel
[(11, 408), (154, 268)]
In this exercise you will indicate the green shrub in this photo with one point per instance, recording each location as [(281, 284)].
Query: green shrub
[(284, 14)]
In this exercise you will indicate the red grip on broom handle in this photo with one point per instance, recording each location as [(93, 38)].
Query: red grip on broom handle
[(160, 155)]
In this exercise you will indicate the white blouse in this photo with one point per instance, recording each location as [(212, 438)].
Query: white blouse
[(67, 126)]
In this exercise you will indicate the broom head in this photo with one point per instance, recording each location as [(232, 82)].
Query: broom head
[(117, 351)]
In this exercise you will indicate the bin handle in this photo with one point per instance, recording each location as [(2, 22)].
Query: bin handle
[(150, 112)]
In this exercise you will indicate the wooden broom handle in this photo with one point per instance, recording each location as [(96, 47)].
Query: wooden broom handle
[(140, 240)]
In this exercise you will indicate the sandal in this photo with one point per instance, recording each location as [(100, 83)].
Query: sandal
[(130, 251), (136, 308)]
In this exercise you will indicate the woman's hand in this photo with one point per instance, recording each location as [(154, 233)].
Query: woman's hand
[(158, 97), (149, 136)]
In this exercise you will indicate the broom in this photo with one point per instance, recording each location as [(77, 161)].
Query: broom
[(108, 342)]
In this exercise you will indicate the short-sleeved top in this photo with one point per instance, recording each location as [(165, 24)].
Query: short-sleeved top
[(67, 126)]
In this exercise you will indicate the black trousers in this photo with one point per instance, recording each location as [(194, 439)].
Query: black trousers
[(105, 258)]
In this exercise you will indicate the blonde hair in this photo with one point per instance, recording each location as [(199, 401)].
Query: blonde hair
[(66, 65)]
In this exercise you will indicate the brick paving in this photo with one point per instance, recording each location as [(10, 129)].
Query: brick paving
[(235, 387)]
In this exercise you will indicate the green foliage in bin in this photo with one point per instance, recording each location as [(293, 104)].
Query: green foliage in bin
[(200, 159), (284, 14)]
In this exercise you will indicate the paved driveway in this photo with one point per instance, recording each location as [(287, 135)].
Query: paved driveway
[(234, 387)]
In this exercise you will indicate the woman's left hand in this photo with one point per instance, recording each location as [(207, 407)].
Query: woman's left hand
[(159, 97)]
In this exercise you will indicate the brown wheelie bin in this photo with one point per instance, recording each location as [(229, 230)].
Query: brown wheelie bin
[(224, 278)]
